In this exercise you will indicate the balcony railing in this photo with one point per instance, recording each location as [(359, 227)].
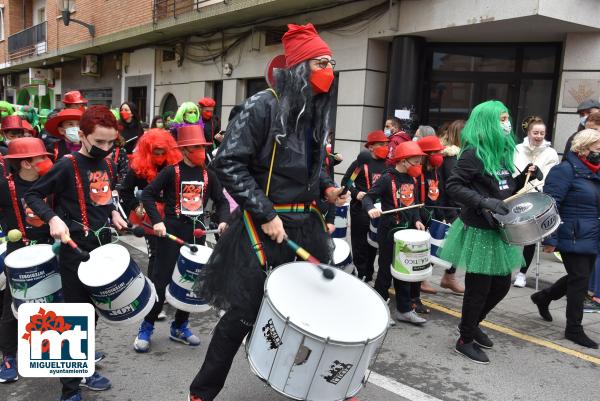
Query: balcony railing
[(28, 42), (173, 8)]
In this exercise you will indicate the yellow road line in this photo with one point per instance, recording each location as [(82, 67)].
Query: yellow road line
[(516, 334)]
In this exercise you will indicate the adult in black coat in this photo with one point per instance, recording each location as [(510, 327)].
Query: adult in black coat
[(130, 126)]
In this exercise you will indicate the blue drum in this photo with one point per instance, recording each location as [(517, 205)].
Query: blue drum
[(120, 292), (341, 221), (33, 276), (438, 230), (342, 258), (180, 291), (373, 224)]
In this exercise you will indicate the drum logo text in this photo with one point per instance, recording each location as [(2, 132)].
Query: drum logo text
[(337, 371), (271, 335), (549, 222)]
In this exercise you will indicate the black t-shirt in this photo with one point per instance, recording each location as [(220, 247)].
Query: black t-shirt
[(191, 192), (35, 228), (97, 181)]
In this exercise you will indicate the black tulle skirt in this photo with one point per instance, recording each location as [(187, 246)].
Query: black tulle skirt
[(233, 276)]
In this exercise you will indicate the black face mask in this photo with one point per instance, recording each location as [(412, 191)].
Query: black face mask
[(593, 157), (97, 153)]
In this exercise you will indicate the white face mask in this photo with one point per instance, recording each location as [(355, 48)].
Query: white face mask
[(415, 139), (387, 132), (72, 134), (582, 120), (506, 126)]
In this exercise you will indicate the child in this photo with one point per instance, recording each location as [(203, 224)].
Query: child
[(396, 188), (186, 188), (64, 128), (28, 160)]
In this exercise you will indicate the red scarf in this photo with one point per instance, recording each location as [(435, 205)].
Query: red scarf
[(593, 167)]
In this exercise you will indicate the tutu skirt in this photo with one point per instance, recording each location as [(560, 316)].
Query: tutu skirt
[(481, 251)]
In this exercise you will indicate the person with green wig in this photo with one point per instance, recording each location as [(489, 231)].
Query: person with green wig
[(187, 114), (6, 109), (29, 114), (483, 176)]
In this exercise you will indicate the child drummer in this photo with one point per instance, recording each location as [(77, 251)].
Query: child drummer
[(396, 188), (185, 188), (81, 183), (26, 160)]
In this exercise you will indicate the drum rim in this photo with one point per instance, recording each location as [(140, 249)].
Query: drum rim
[(328, 340), (16, 253), (104, 282), (530, 242)]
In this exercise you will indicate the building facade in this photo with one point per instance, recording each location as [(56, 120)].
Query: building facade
[(431, 59)]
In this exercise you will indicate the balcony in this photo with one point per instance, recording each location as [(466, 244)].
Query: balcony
[(28, 42), (173, 8)]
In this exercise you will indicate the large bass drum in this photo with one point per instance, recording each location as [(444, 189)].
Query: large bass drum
[(532, 217)]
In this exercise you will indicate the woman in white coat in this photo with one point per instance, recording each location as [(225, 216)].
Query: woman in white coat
[(536, 150)]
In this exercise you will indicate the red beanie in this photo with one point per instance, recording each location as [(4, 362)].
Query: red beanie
[(302, 42), (207, 102)]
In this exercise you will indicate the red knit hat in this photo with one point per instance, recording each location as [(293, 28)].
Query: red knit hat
[(302, 42), (376, 136), (406, 150), (22, 148), (64, 115), (207, 102), (191, 135), (430, 144)]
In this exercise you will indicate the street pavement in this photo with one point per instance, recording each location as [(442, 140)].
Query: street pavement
[(530, 361)]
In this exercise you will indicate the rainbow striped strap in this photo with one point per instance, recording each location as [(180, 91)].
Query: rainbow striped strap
[(300, 208)]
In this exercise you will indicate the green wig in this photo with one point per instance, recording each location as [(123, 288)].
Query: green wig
[(9, 107), (186, 106), (28, 113), (116, 113), (483, 133)]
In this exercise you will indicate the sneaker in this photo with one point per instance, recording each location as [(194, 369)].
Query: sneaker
[(76, 397), (409, 317), (8, 370), (582, 339), (98, 356), (542, 303), (427, 288), (591, 306), (192, 397), (482, 339), (471, 351), (391, 322), (520, 280), (96, 382), (418, 306), (183, 334), (161, 316), (142, 341)]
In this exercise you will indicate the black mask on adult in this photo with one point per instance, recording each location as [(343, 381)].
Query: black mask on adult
[(593, 157)]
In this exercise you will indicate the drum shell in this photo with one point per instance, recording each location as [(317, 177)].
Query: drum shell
[(412, 260), (339, 371), (341, 221), (35, 284), (372, 238), (344, 264), (179, 292), (2, 275)]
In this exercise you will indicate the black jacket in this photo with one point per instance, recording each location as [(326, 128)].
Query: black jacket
[(375, 168), (243, 160), (469, 184), (131, 132)]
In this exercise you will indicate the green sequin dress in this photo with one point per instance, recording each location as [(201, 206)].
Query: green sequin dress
[(481, 251)]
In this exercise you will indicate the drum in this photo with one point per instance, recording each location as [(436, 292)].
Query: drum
[(121, 293), (341, 221), (373, 224), (438, 230), (315, 339), (412, 260), (189, 265), (2, 275), (32, 275), (531, 218), (342, 259)]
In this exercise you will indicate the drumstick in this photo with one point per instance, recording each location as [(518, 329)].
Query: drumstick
[(85, 256), (350, 180), (199, 233), (518, 194), (303, 253), (191, 247), (403, 208)]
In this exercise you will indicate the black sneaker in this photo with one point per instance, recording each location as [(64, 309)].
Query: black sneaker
[(482, 339), (472, 352), (542, 303), (582, 339)]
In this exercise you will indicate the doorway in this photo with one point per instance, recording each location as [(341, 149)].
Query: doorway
[(138, 95)]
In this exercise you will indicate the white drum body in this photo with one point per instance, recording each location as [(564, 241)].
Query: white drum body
[(412, 255), (373, 226), (342, 259), (33, 276), (315, 339), (120, 292), (341, 221), (180, 291), (2, 275)]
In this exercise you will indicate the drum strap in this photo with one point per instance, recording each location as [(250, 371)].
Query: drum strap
[(395, 198), (116, 155), (15, 204), (55, 151), (178, 188), (366, 170), (257, 245), (3, 165), (274, 149), (422, 188)]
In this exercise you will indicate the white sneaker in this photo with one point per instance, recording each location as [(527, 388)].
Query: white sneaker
[(161, 316), (409, 317), (391, 322), (520, 280)]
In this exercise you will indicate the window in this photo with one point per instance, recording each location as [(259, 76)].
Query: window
[(255, 85), (218, 96), (169, 103), (168, 55), (273, 37), (1, 22), (98, 96)]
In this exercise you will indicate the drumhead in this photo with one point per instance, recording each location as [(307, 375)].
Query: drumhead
[(199, 257), (341, 250), (412, 236), (107, 263), (344, 309), (29, 256), (526, 207)]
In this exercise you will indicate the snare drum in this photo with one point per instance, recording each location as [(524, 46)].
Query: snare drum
[(315, 339), (342, 259), (121, 293), (189, 265), (33, 276), (531, 218), (2, 275), (412, 253), (341, 221), (438, 230), (373, 224)]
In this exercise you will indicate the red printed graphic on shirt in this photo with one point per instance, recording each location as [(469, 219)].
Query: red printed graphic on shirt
[(407, 194), (191, 197), (100, 192), (31, 218), (375, 178), (434, 191)]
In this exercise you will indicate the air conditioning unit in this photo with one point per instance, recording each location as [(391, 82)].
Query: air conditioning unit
[(10, 81), (90, 65)]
